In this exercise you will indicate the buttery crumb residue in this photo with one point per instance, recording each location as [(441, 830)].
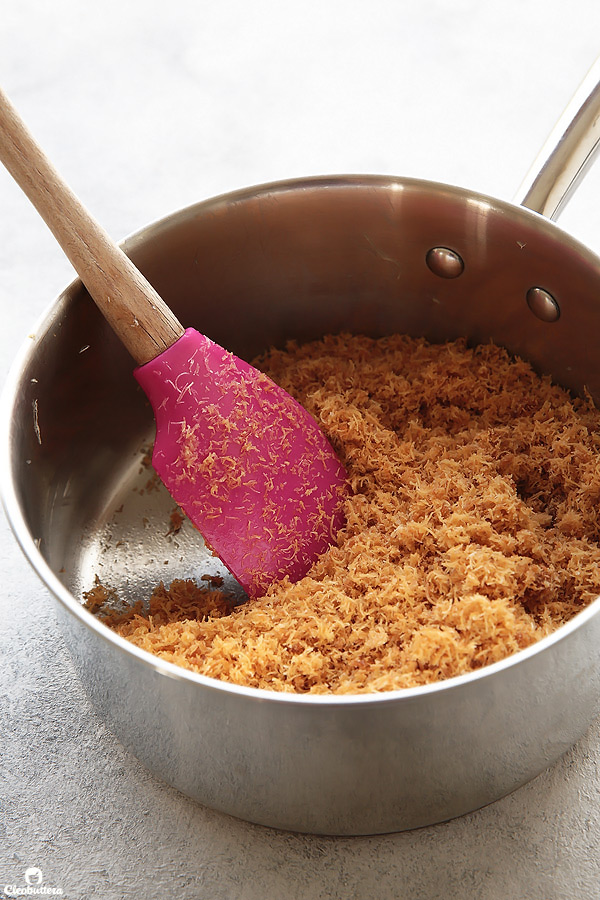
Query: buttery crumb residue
[(471, 529)]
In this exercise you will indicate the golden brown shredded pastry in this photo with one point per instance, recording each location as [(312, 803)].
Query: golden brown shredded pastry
[(472, 530), (176, 520)]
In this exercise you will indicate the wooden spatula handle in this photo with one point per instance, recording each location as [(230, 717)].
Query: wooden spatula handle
[(135, 311)]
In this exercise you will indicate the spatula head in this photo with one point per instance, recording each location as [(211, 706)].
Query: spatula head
[(247, 464)]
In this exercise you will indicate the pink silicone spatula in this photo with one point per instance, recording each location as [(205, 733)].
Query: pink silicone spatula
[(248, 465)]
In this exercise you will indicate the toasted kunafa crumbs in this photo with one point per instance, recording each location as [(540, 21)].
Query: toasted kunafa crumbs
[(471, 529)]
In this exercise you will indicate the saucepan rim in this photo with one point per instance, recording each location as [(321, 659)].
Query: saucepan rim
[(62, 594)]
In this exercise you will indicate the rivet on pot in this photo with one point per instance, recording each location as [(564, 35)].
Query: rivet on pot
[(542, 304), (444, 262)]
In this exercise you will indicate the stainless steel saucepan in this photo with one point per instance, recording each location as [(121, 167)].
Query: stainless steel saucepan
[(373, 255)]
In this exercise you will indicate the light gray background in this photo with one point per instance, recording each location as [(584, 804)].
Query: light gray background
[(148, 106)]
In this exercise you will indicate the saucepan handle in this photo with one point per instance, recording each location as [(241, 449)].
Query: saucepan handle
[(567, 154)]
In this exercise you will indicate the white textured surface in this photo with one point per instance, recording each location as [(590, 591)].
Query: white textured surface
[(146, 107)]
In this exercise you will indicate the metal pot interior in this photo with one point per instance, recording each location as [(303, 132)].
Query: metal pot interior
[(257, 268)]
